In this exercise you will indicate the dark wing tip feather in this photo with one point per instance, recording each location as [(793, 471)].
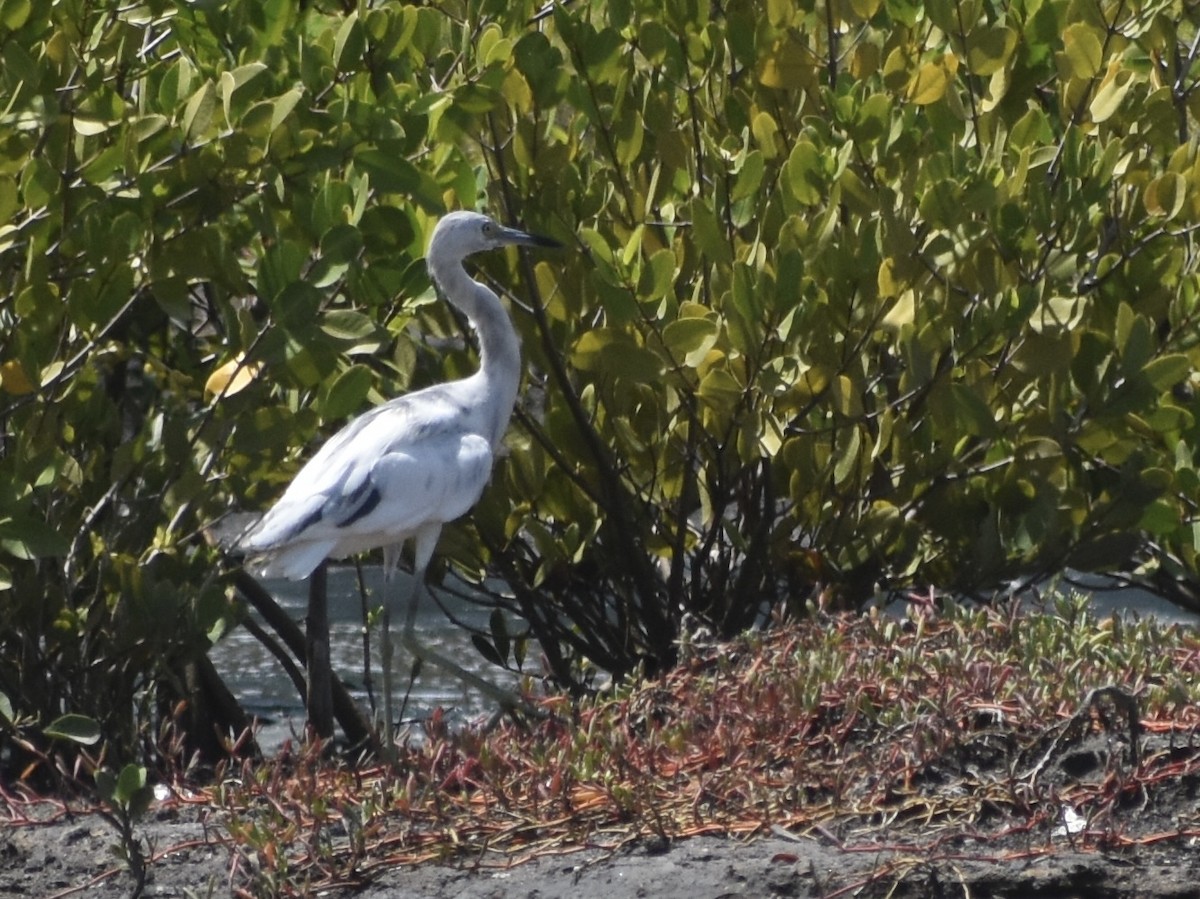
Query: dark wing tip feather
[(367, 501)]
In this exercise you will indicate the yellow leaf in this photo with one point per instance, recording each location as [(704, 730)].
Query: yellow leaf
[(88, 126), (846, 399), (889, 284), (14, 380), (516, 91), (1164, 195), (766, 134), (785, 66), (902, 313), (232, 377), (998, 86), (865, 9), (780, 12), (929, 84), (1111, 92), (896, 69), (1058, 314)]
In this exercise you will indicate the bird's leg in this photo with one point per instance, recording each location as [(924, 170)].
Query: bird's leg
[(506, 699), (391, 556), (385, 654), (425, 540)]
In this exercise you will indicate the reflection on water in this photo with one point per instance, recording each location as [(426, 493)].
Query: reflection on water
[(264, 690)]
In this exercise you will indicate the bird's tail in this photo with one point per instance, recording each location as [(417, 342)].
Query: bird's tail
[(228, 530), (294, 562)]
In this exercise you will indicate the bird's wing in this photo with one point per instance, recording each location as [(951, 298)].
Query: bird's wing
[(432, 483), (394, 469)]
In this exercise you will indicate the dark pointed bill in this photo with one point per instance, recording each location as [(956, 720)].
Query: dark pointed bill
[(524, 238)]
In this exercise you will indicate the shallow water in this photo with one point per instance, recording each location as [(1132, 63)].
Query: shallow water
[(260, 684), (264, 690), (1110, 597)]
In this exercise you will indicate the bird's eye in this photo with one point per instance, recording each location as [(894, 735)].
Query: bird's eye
[(488, 229)]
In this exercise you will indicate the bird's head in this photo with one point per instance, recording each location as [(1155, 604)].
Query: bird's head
[(463, 233)]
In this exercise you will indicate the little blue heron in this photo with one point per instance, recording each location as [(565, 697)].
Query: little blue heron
[(408, 466)]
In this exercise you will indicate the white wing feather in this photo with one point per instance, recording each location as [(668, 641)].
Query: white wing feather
[(412, 462)]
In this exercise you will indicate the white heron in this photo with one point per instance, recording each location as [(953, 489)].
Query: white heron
[(408, 466)]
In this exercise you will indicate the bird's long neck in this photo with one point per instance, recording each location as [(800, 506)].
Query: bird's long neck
[(499, 348)]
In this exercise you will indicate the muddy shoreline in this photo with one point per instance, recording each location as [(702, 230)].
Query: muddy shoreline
[(73, 855), (977, 754)]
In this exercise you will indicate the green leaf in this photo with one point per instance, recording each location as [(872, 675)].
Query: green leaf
[(106, 784), (690, 339), (199, 113), (709, 237), (341, 243), (130, 782), (1165, 372), (520, 651), (631, 362), (347, 393), (233, 81), (950, 15), (348, 324), (29, 539), (350, 45), (283, 105), (1031, 129), (658, 277), (487, 650), (972, 414), (77, 728), (719, 388), (279, 268), (498, 625), (389, 171), (990, 48), (846, 456), (1082, 53), (804, 173), (493, 48), (295, 309), (749, 177), (630, 133), (39, 182), (15, 13), (1161, 518), (586, 355), (874, 117)]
